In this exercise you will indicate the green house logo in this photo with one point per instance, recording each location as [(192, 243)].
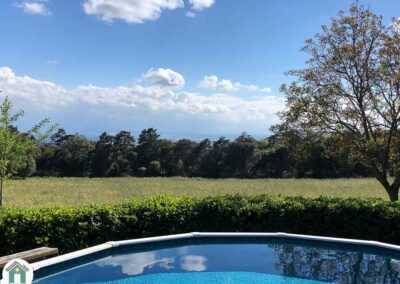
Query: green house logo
[(17, 271)]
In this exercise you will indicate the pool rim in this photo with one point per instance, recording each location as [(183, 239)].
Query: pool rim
[(108, 245)]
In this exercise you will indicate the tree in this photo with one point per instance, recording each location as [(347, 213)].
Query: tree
[(148, 148), (166, 157), (213, 164), (350, 88), (59, 137), (197, 156), (73, 156), (242, 155), (124, 154), (114, 155), (154, 168), (45, 162), (15, 147), (102, 156), (274, 161), (182, 153)]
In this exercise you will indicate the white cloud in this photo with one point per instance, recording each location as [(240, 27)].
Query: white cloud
[(190, 14), (51, 62), (34, 8), (131, 11), (164, 77), (30, 91), (213, 82), (201, 4), (148, 105)]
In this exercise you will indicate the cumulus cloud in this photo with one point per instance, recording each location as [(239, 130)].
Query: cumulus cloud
[(34, 8), (201, 4), (31, 91), (151, 104), (130, 11), (213, 82), (164, 77), (190, 14)]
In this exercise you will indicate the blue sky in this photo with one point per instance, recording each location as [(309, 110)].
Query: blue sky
[(190, 68)]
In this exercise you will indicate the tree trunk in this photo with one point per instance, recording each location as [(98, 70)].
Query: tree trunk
[(393, 192), (1, 192), (391, 189)]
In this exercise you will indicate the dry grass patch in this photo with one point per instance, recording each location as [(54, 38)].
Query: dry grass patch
[(34, 192)]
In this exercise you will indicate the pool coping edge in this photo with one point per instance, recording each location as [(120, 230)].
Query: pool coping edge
[(87, 251)]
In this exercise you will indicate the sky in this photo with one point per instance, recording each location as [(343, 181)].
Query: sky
[(189, 68)]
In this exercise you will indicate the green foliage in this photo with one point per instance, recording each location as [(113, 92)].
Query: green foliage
[(154, 168), (15, 147), (142, 171), (72, 155), (72, 228), (148, 148), (287, 153)]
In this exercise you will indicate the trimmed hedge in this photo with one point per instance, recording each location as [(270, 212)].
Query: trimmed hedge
[(72, 228)]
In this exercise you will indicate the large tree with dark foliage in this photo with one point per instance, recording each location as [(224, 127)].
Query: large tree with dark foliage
[(102, 156), (242, 155), (124, 155), (148, 148), (182, 153), (350, 88), (200, 151)]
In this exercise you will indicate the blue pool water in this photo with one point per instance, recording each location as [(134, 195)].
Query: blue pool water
[(212, 277), (230, 261)]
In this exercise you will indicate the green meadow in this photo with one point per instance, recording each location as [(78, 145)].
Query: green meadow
[(36, 192)]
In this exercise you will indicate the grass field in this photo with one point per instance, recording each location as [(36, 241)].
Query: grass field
[(34, 192)]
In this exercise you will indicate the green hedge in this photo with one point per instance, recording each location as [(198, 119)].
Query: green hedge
[(72, 228)]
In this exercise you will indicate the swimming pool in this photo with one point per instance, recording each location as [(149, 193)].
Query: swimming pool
[(226, 258)]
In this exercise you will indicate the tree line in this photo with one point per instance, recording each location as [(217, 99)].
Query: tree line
[(285, 154)]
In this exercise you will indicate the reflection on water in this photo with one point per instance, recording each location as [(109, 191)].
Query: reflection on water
[(193, 263), (323, 263), (135, 264), (335, 266)]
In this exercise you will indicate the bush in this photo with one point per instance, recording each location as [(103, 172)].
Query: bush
[(72, 228), (142, 171), (154, 168)]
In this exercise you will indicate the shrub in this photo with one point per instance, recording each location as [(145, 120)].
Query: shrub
[(72, 228), (142, 171), (154, 168)]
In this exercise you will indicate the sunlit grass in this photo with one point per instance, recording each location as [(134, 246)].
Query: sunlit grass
[(34, 192)]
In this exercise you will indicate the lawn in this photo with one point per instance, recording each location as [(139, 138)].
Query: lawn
[(34, 192)]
